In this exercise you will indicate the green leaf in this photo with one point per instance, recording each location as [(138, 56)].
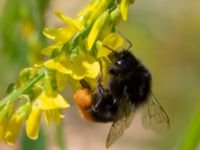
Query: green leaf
[(192, 137), (59, 137)]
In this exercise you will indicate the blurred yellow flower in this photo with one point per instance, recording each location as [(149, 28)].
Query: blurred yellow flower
[(33, 122), (124, 9), (14, 127), (3, 123), (4, 119), (15, 123)]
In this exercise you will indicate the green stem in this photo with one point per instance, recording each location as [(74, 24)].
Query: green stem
[(192, 137), (16, 93)]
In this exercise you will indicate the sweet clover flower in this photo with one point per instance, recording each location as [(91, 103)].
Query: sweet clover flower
[(78, 46)]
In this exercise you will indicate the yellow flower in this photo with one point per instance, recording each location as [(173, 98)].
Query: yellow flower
[(92, 69), (27, 28), (124, 9), (99, 9), (75, 55), (33, 122), (113, 41), (61, 80), (3, 124), (90, 8), (15, 123), (4, 116), (14, 127), (116, 15), (99, 23), (48, 50), (56, 65), (63, 34), (77, 67), (70, 21), (53, 101), (48, 101), (54, 115)]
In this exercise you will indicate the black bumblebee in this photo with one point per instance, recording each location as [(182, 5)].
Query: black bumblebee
[(128, 88)]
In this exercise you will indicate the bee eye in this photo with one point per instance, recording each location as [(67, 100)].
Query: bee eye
[(120, 62), (122, 57)]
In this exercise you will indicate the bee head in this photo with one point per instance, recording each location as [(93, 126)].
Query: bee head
[(123, 62)]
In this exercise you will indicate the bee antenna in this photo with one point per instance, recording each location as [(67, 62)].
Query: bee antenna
[(110, 49), (130, 44)]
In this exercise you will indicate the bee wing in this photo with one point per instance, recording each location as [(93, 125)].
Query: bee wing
[(154, 116), (123, 120)]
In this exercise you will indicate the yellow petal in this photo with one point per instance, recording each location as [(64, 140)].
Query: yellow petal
[(124, 9), (33, 123), (61, 80), (90, 8), (3, 127), (69, 68), (99, 9), (116, 15), (113, 41), (14, 127), (92, 69), (78, 71), (49, 50), (77, 76), (4, 115), (50, 33), (55, 65), (69, 21), (97, 28), (63, 34), (47, 102), (53, 116)]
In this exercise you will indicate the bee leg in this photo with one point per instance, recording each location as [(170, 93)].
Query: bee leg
[(84, 84), (100, 89)]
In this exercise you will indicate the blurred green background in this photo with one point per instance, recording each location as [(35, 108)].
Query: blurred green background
[(165, 36)]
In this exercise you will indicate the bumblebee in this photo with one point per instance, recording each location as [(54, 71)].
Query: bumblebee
[(128, 88)]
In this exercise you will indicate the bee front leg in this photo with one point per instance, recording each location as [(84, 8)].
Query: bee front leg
[(102, 93)]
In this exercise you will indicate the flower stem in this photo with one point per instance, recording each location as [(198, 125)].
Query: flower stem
[(16, 93)]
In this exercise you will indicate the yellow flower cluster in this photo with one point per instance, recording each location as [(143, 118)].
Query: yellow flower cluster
[(74, 55), (42, 98)]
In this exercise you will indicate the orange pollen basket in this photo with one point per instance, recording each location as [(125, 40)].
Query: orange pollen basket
[(83, 99)]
